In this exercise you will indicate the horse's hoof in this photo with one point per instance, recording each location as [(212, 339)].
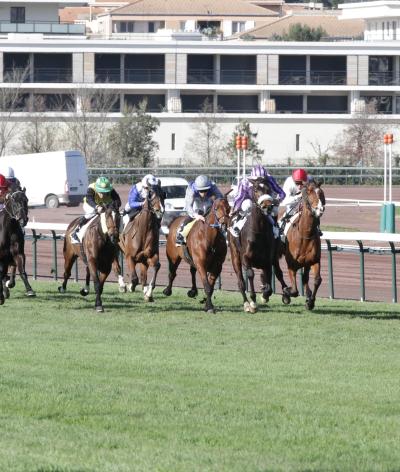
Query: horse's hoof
[(1, 300), (167, 291), (263, 300), (6, 292), (122, 288), (212, 311), (131, 288), (246, 307), (99, 309), (9, 284), (192, 293), (253, 307), (286, 299), (61, 289), (310, 304), (148, 299), (30, 293), (84, 292)]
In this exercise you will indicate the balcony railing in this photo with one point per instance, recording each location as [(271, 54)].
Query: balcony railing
[(40, 74), (317, 77), (42, 27), (110, 75), (144, 76), (231, 76), (382, 78)]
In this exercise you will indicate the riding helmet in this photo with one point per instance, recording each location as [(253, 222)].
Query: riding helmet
[(202, 182), (103, 185), (149, 180), (258, 171), (299, 175), (3, 181)]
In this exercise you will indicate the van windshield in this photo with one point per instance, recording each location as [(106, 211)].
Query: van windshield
[(175, 191)]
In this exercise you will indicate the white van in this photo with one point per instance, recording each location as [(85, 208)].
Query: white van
[(50, 178), (175, 191)]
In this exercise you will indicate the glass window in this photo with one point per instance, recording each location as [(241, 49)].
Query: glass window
[(238, 26), (175, 191), (17, 15)]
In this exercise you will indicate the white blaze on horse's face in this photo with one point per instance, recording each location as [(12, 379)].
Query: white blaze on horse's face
[(319, 209)]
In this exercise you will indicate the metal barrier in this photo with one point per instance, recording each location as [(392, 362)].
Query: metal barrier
[(332, 242)]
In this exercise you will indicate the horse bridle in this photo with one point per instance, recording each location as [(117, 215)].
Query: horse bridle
[(16, 207), (150, 196), (218, 224), (308, 203)]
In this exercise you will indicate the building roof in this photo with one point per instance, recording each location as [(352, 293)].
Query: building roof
[(208, 8), (331, 23)]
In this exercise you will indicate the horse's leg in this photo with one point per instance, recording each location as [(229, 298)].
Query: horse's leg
[(172, 268), (134, 277), (237, 267), (208, 289), (85, 290), (193, 292), (281, 280), (293, 291), (252, 294), (310, 301), (69, 260), (10, 283), (97, 282), (3, 272), (20, 263), (266, 281), (155, 265), (118, 272)]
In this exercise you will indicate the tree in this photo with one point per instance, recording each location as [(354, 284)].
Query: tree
[(299, 32), (206, 144), (12, 100), (361, 142), (37, 135), (131, 139), (253, 154), (321, 152), (86, 127)]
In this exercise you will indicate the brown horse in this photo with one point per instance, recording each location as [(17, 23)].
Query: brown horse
[(205, 250), (98, 250), (140, 244), (255, 247), (12, 243), (302, 248)]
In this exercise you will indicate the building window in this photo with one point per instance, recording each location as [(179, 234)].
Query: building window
[(238, 26), (17, 15), (126, 26), (151, 27), (297, 142), (173, 142)]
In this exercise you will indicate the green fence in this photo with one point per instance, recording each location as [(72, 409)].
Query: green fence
[(328, 175)]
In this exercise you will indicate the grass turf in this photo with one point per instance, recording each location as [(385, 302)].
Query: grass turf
[(166, 387)]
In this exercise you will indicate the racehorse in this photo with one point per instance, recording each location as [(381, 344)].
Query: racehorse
[(140, 243), (205, 250), (255, 247), (302, 248), (13, 216), (98, 250)]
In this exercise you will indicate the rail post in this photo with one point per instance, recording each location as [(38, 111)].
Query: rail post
[(330, 270), (394, 273), (54, 245), (362, 272), (35, 237)]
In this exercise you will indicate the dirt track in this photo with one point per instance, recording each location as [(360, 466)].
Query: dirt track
[(345, 266)]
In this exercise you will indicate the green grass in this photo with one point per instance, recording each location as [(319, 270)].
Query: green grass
[(166, 387)]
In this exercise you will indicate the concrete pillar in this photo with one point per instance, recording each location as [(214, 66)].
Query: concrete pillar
[(181, 68), (355, 105), (352, 70), (363, 70), (265, 103), (273, 69), (304, 103), (174, 103), (308, 70), (77, 67), (1, 66), (262, 69), (217, 69), (170, 68), (31, 67), (88, 67)]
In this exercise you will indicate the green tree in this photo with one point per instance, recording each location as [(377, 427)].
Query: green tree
[(253, 154), (131, 139), (299, 32)]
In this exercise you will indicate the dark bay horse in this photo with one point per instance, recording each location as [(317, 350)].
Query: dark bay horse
[(206, 250), (13, 216), (255, 247), (140, 243), (302, 248), (98, 250)]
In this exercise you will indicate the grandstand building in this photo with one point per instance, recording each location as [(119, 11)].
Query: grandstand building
[(295, 94)]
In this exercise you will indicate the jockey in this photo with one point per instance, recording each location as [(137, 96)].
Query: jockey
[(99, 194), (244, 198), (199, 198), (4, 189), (137, 195), (13, 183), (293, 186)]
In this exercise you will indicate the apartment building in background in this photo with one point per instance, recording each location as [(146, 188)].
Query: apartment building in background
[(294, 94)]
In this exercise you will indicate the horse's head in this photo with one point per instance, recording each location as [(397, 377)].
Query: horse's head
[(314, 199), (112, 223), (220, 210), (262, 194), (155, 201), (17, 206)]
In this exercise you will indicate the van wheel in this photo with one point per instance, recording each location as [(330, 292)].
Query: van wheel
[(52, 201)]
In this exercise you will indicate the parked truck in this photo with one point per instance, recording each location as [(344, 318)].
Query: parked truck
[(50, 178)]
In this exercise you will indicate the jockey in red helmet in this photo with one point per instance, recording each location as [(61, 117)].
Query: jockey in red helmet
[(3, 188)]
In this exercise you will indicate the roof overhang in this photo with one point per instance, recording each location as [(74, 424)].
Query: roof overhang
[(374, 9)]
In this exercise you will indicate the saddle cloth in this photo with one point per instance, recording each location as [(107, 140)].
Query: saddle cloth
[(81, 233), (288, 225), (187, 228)]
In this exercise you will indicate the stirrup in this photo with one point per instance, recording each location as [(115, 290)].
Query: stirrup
[(234, 232), (180, 240)]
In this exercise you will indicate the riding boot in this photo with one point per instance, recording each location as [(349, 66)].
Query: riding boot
[(74, 234), (180, 239), (233, 229)]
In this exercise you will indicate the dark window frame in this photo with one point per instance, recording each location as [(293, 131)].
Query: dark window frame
[(17, 15)]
